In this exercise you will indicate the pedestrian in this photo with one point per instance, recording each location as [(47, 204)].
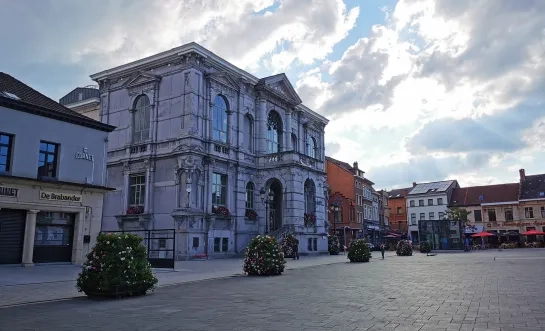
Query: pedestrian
[(467, 244), (296, 250), (382, 249)]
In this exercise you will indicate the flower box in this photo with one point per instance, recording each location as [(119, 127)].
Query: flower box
[(135, 210), (251, 214), (221, 210), (310, 220)]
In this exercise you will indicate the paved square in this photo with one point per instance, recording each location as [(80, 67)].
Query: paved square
[(469, 291)]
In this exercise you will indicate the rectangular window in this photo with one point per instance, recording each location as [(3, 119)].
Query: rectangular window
[(430, 202), (6, 145), (399, 210), (413, 219), (47, 160), (315, 244), (478, 216), (441, 215), (422, 216), (491, 215), (195, 242), (221, 244), (529, 212), (542, 211), (217, 244), (439, 201), (420, 202), (137, 190), (250, 196), (432, 216), (219, 189), (509, 214), (411, 203), (309, 244)]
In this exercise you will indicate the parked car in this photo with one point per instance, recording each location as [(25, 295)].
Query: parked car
[(371, 246)]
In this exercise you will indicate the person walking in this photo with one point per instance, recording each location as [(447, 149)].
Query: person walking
[(382, 249), (296, 250)]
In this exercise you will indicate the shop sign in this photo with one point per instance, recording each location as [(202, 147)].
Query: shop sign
[(54, 196), (85, 155), (512, 224), (9, 192)]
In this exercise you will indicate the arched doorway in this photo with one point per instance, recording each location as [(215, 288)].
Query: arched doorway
[(275, 206)]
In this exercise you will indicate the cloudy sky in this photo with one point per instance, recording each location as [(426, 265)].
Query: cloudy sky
[(416, 90)]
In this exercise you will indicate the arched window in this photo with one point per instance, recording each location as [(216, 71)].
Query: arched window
[(249, 133), (219, 119), (274, 132), (311, 147), (250, 195), (294, 142), (310, 196), (141, 119)]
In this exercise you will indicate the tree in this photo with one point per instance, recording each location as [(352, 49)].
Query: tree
[(458, 214)]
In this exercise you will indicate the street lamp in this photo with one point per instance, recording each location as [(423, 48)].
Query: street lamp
[(336, 209), (266, 199)]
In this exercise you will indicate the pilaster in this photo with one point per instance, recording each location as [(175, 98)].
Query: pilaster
[(262, 126), (28, 245), (287, 133)]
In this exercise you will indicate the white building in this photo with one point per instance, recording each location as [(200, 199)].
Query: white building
[(199, 143), (52, 166), (428, 201)]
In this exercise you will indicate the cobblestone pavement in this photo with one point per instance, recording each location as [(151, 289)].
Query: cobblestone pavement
[(475, 291), (52, 282)]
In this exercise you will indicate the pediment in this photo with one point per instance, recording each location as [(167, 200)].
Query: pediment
[(280, 85), (141, 78), (225, 79)]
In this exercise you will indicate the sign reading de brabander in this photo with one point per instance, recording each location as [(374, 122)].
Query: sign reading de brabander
[(9, 192), (60, 196)]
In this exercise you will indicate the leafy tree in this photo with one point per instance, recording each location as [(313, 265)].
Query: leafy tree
[(458, 214)]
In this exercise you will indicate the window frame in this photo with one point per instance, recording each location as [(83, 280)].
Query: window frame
[(46, 152), (9, 148), (529, 212), (139, 187), (141, 115), (430, 202), (222, 199), (250, 193), (220, 119), (274, 132), (413, 218)]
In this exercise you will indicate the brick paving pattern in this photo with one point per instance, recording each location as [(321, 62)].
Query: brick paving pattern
[(445, 292)]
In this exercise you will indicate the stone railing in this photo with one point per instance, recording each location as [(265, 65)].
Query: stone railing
[(290, 158)]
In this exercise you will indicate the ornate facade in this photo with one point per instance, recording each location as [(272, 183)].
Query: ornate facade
[(200, 144)]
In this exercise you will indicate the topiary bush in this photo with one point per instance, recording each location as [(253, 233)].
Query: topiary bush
[(359, 251), (288, 244), (116, 267), (404, 248), (333, 245), (425, 247), (263, 257)]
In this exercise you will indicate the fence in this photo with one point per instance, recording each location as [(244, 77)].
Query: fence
[(160, 245)]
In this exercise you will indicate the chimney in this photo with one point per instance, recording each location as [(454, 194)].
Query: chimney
[(414, 184), (522, 175), (355, 165)]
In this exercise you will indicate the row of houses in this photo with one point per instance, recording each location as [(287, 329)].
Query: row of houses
[(501, 208), (182, 147)]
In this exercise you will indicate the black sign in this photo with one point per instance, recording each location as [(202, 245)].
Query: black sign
[(9, 192)]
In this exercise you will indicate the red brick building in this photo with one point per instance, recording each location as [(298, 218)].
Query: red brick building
[(398, 209)]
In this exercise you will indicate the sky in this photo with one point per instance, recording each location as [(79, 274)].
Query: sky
[(415, 90)]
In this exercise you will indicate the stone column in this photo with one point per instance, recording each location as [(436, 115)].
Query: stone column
[(322, 145), (208, 190), (288, 145), (28, 246), (125, 203), (147, 200), (229, 126), (77, 241), (151, 190), (262, 126), (240, 125)]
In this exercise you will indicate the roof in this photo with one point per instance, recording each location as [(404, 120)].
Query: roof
[(347, 167), (476, 195), (532, 187), (433, 187), (22, 97), (399, 193), (86, 94)]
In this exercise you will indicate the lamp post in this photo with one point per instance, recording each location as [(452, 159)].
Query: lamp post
[(336, 209), (266, 199)]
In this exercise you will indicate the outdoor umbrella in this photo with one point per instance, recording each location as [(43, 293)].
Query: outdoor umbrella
[(390, 236), (483, 234), (533, 233)]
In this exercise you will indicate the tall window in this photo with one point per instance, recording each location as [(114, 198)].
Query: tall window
[(294, 142), (431, 216), (250, 195), (441, 215), (529, 212), (399, 210), (137, 190), (274, 132), (219, 189), (6, 144), (249, 133), (430, 202), (411, 203), (312, 147), (422, 216), (420, 203), (310, 196), (47, 160), (413, 219), (219, 119), (491, 215), (509, 214), (439, 201), (141, 119), (478, 216)]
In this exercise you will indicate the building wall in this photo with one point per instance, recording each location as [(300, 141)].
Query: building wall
[(181, 153), (72, 139), (340, 180), (398, 220), (436, 209)]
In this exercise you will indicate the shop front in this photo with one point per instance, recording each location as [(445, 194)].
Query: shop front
[(47, 222), (442, 234), (510, 232)]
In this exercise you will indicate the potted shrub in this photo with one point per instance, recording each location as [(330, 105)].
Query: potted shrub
[(333, 245), (358, 251), (288, 245), (404, 248), (263, 257), (116, 267), (425, 247)]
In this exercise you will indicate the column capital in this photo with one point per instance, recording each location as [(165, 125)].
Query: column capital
[(32, 211)]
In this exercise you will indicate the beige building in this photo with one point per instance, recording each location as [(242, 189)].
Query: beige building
[(84, 100), (532, 202)]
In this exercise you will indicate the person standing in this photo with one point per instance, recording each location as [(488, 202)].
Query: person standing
[(296, 250), (382, 249)]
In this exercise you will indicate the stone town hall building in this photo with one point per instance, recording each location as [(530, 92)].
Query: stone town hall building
[(198, 138)]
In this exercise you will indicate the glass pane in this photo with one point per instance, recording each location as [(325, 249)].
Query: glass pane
[(50, 158), (4, 139), (3, 150), (51, 148), (43, 146), (3, 159), (41, 158)]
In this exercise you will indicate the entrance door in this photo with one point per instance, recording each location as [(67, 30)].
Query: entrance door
[(12, 233), (53, 238)]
